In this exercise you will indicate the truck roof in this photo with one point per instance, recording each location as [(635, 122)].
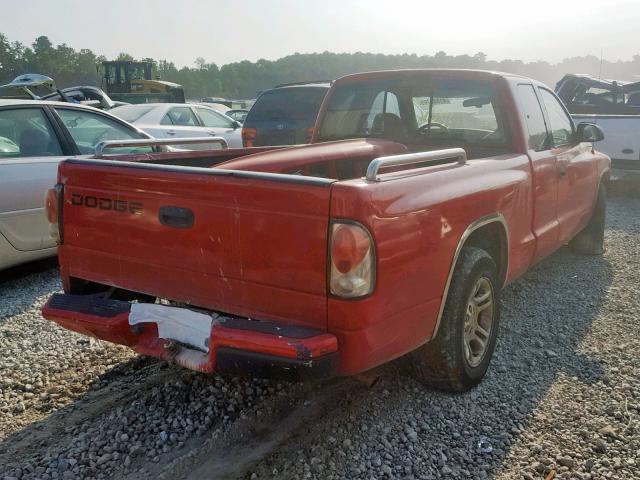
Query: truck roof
[(468, 73), (308, 83)]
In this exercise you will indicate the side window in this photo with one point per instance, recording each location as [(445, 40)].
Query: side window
[(26, 132), (212, 119), (561, 126), (88, 129), (534, 117), (182, 116)]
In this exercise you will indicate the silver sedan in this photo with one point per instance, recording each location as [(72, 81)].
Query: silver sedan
[(180, 120), (34, 137)]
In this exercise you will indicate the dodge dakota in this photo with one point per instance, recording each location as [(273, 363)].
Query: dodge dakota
[(422, 194)]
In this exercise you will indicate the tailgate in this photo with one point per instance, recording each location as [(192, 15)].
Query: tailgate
[(246, 243)]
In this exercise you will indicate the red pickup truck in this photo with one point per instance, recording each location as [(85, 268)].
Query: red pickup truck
[(422, 194)]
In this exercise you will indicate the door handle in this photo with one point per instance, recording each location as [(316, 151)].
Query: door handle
[(563, 171), (170, 132), (176, 217), (628, 151), (211, 132)]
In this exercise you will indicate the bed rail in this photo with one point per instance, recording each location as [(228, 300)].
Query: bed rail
[(152, 142), (455, 155)]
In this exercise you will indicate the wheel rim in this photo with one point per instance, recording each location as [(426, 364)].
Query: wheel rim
[(478, 321)]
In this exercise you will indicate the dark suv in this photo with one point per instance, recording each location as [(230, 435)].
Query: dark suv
[(284, 115)]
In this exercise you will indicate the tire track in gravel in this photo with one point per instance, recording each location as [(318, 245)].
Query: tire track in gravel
[(53, 428), (252, 438)]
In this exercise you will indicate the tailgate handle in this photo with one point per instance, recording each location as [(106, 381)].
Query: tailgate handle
[(176, 217)]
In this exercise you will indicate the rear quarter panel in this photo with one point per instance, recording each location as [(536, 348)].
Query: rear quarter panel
[(417, 223)]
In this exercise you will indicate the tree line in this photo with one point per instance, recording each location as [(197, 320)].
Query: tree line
[(68, 67)]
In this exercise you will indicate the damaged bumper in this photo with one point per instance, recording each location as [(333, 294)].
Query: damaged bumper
[(177, 335)]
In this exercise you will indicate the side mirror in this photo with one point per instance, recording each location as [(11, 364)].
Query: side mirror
[(589, 132), (236, 124)]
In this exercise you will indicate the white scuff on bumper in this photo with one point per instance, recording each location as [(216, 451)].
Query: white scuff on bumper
[(175, 323)]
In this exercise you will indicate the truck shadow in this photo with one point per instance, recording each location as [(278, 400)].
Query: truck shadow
[(622, 215), (21, 272), (623, 189)]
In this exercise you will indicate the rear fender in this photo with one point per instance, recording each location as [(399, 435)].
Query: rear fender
[(503, 263)]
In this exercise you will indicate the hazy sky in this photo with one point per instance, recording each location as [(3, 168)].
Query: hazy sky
[(224, 31)]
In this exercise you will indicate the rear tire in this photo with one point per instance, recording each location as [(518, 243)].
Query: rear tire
[(590, 241), (458, 357)]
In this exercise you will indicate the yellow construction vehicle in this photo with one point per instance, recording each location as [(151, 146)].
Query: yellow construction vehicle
[(131, 82)]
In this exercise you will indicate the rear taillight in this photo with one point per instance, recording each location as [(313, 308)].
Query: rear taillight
[(248, 136), (53, 208), (352, 260)]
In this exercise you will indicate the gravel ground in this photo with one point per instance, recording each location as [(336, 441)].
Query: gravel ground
[(562, 396)]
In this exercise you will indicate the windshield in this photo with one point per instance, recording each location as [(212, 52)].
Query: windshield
[(414, 111), (288, 104), (131, 113)]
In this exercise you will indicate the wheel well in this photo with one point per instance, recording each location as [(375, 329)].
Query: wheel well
[(492, 238)]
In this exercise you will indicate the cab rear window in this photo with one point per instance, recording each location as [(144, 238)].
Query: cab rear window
[(419, 112)]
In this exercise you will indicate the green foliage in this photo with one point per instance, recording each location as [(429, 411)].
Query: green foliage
[(246, 79)]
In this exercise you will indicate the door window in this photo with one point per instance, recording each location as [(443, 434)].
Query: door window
[(534, 117), (560, 123), (213, 119), (182, 116), (88, 129), (26, 132)]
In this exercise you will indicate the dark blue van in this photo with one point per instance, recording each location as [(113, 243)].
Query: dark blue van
[(284, 115)]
